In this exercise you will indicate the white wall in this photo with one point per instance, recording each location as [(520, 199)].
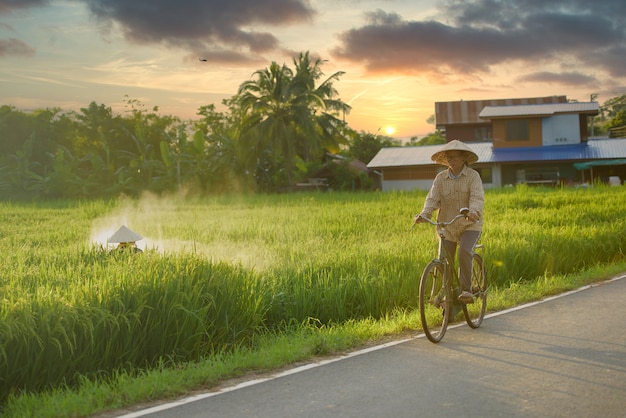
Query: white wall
[(389, 185), (496, 177), (406, 185), (560, 130)]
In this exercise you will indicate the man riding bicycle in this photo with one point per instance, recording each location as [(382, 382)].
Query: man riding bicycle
[(457, 187)]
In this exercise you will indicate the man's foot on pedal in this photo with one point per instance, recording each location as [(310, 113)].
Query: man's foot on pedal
[(466, 297)]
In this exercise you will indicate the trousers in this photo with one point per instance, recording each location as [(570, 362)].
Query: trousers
[(466, 245)]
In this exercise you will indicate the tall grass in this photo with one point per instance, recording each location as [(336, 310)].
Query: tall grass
[(217, 272), (105, 312), (534, 232)]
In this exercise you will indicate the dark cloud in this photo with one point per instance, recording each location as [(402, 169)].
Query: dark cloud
[(566, 78), (612, 58), (389, 43), (13, 47), (206, 27), (508, 14), (6, 6), (471, 36)]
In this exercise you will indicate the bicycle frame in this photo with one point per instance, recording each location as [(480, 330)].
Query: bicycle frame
[(450, 276), (442, 256), (444, 296)]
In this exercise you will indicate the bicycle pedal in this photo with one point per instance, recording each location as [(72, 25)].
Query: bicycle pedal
[(466, 298), (438, 301)]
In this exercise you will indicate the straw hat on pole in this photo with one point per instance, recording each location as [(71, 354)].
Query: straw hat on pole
[(440, 156)]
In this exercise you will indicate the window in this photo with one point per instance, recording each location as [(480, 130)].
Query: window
[(517, 130), (482, 134), (485, 174)]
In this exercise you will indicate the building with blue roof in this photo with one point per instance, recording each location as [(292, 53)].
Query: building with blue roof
[(531, 141)]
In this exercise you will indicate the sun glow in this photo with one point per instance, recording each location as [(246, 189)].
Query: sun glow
[(390, 130)]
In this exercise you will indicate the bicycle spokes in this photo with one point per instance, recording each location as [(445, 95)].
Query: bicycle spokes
[(475, 313), (433, 302)]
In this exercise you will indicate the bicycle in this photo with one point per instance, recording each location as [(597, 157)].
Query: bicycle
[(438, 303)]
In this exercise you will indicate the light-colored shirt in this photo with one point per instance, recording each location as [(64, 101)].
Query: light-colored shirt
[(449, 195)]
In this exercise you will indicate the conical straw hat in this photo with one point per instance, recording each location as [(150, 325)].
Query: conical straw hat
[(455, 145), (124, 235)]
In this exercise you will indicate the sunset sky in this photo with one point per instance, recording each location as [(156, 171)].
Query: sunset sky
[(399, 56)]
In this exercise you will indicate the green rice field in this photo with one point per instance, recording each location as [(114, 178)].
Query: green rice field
[(217, 273)]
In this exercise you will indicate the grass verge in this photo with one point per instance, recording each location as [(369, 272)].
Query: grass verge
[(126, 391)]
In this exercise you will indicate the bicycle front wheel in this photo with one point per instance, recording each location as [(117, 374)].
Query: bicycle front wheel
[(475, 312), (433, 302)]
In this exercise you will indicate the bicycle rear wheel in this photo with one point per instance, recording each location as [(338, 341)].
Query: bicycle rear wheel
[(433, 302), (475, 312)]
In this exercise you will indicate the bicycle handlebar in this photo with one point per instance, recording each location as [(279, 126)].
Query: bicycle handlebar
[(462, 214)]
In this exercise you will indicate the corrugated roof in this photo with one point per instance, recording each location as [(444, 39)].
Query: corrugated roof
[(595, 149), (580, 151), (490, 112), (466, 111), (403, 156)]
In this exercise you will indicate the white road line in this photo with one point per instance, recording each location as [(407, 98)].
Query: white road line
[(310, 366)]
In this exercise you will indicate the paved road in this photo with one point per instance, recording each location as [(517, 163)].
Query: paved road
[(564, 357)]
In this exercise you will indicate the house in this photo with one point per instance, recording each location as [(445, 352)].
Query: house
[(460, 120), (538, 142)]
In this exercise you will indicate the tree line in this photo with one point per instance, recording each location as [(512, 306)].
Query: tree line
[(281, 125), (612, 116)]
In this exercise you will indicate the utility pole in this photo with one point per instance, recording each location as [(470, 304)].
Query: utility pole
[(593, 98)]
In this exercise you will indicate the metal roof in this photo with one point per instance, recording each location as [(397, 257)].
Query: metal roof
[(407, 156), (594, 149), (490, 112), (466, 111)]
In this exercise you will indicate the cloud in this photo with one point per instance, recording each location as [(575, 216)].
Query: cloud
[(566, 78), (15, 47), (7, 6), (209, 28), (611, 57), (471, 37), (12, 46)]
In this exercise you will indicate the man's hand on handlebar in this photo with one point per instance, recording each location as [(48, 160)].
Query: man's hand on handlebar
[(472, 216), (469, 215), (419, 219)]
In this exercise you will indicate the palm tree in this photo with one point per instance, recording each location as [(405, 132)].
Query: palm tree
[(288, 114), (269, 114), (327, 129)]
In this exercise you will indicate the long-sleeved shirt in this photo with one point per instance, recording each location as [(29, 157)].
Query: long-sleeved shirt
[(450, 194)]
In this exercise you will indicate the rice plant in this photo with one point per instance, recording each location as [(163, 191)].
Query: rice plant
[(218, 272)]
